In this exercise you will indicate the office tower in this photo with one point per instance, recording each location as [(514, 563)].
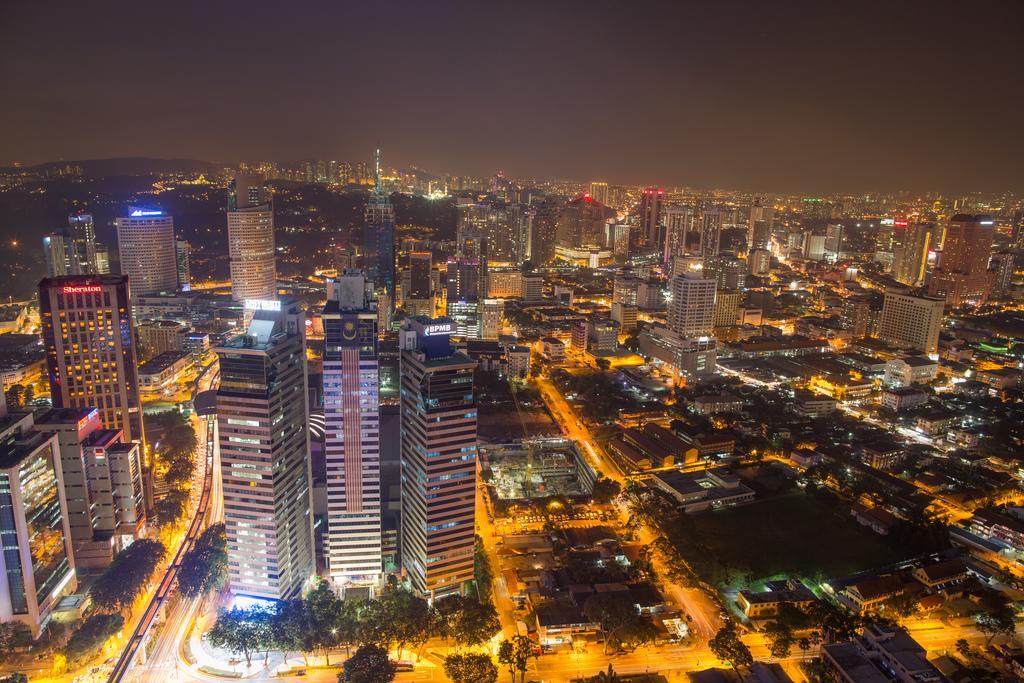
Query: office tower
[(602, 336), (38, 562), (182, 250), (81, 244), (102, 259), (691, 312), (490, 313), (352, 446), (834, 233), (102, 484), (251, 240), (419, 299), (1017, 230), (679, 221), (760, 262), (379, 236), (625, 315), (545, 231), (262, 419), (652, 229), (625, 287), (439, 447), (760, 224), (860, 315), (533, 287), (911, 321), (88, 331), (814, 247), (56, 255), (599, 191), (727, 270), (1003, 268), (522, 225), (961, 275), (145, 242), (581, 223), (710, 232), (910, 253), (727, 307), (72, 251)]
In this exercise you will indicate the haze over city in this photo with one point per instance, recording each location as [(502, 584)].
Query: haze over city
[(567, 342)]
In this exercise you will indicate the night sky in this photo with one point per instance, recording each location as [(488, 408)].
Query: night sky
[(774, 96)]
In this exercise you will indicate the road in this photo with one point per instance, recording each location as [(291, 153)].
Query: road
[(694, 602), (206, 500)]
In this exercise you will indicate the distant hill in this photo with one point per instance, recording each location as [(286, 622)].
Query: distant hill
[(99, 168)]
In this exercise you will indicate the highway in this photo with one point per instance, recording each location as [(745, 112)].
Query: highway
[(126, 667)]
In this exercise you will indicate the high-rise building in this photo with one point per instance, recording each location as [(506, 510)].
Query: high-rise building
[(760, 224), (182, 250), (545, 231), (102, 484), (352, 425), (439, 449), (599, 191), (262, 419), (727, 307), (38, 562), (679, 222), (910, 253), (710, 232), (379, 237), (146, 244), (911, 321), (581, 223), (652, 228), (961, 275), (73, 250), (834, 234), (691, 312), (89, 334), (251, 240), (1004, 265), (760, 262), (490, 313)]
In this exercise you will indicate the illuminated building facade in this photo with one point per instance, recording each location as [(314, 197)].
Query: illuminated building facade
[(962, 272), (251, 240), (439, 450), (145, 241), (352, 425), (263, 427)]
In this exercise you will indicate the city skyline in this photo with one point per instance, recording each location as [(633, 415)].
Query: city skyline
[(736, 95)]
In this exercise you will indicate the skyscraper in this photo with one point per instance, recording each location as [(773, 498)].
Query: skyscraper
[(183, 251), (599, 191), (379, 237), (352, 425), (910, 253), (679, 221), (419, 299), (652, 229), (760, 224), (911, 321), (38, 563), (88, 331), (262, 419), (145, 241), (439, 448), (961, 275), (251, 240), (710, 232), (72, 251), (691, 312)]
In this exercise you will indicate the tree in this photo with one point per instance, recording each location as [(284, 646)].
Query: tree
[(14, 678), (470, 668), (611, 612), (727, 646), (605, 490), (171, 507), (16, 395), (288, 629), (240, 631), (779, 637), (322, 609), (13, 634), (93, 632), (483, 575), (126, 578), (964, 649), (466, 620), (515, 654), (370, 664), (205, 566), (837, 625), (608, 676), (996, 620), (407, 619), (603, 364)]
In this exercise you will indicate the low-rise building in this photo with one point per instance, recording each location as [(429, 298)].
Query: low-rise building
[(712, 404), (712, 489), (898, 399), (902, 372), (163, 371), (763, 604), (881, 654), (553, 350), (812, 405)]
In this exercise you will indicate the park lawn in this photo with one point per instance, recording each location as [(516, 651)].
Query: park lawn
[(793, 535)]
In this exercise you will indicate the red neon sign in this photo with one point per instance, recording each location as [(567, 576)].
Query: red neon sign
[(82, 289)]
